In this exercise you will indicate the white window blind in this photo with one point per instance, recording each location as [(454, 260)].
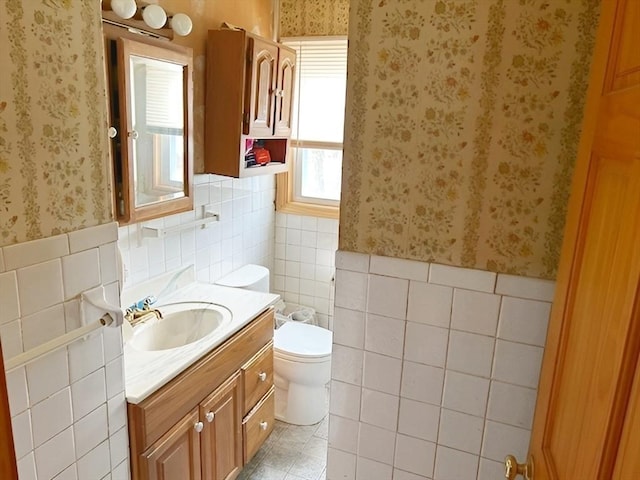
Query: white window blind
[(164, 99), (318, 118)]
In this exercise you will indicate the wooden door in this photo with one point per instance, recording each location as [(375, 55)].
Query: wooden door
[(176, 455), (262, 70), (585, 404), (284, 91), (8, 468), (222, 435)]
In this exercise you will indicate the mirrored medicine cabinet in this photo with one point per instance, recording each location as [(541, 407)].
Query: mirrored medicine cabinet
[(150, 91)]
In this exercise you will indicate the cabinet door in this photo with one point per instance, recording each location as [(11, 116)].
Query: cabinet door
[(284, 91), (263, 57), (258, 425), (176, 455), (222, 436)]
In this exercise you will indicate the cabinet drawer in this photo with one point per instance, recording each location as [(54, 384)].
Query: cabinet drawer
[(257, 377), (258, 425)]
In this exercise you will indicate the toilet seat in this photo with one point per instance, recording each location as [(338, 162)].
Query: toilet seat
[(302, 342)]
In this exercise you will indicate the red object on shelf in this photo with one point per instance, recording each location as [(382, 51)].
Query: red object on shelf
[(262, 155)]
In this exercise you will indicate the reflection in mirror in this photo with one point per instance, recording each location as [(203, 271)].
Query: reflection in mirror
[(158, 122)]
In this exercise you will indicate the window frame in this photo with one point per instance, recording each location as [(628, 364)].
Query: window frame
[(286, 201)]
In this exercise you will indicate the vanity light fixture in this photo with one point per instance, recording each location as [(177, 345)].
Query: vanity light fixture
[(181, 24), (154, 16), (124, 8)]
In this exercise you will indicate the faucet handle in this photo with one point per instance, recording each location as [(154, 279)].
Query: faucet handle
[(148, 301)]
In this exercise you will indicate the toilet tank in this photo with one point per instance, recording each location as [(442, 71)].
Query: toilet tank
[(251, 277)]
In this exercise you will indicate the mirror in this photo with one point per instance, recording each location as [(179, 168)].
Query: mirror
[(150, 93)]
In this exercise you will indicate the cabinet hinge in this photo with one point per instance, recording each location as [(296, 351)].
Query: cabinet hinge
[(245, 118)]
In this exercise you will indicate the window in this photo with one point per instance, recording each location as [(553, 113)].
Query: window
[(318, 120)]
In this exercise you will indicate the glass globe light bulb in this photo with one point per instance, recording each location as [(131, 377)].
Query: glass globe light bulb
[(124, 8), (154, 16), (181, 24)]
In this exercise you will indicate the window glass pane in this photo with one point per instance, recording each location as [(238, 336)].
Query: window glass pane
[(320, 173)]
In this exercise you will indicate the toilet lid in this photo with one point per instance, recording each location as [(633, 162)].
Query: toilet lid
[(302, 339)]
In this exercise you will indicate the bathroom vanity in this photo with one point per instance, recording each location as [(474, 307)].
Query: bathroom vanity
[(210, 418)]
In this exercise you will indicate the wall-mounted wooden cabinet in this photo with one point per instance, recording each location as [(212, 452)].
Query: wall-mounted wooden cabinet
[(249, 101), (208, 422)]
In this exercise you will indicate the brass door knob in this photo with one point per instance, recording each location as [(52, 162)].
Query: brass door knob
[(512, 468)]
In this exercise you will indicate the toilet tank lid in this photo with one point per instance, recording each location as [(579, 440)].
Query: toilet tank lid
[(244, 276), (303, 339)]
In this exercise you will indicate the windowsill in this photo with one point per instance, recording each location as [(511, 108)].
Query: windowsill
[(285, 204)]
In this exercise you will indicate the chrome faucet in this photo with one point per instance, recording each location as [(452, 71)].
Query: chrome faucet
[(137, 312)]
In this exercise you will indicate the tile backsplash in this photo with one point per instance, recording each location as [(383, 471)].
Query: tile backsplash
[(68, 408), (304, 263), (244, 234), (435, 369)]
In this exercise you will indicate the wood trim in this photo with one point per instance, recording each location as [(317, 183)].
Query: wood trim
[(253, 435), (8, 468), (285, 203), (155, 415)]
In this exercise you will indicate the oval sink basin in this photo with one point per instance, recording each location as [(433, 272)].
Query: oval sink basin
[(182, 323)]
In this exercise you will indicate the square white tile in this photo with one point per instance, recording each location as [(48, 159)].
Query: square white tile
[(43, 326), (430, 304), (346, 364), (382, 373), (24, 254), (92, 237), (501, 440), (399, 268), (341, 464), (17, 391), (11, 338), (95, 464), (351, 290), (384, 335), (414, 455), (426, 344), (21, 428), (117, 412), (51, 416), (27, 467), (455, 465), (465, 393), (356, 262), (90, 430), (418, 419), (9, 297), (422, 382), (379, 409), (343, 433), (517, 363), (470, 353), (524, 287), (87, 394), (85, 356), (345, 400), (475, 312), (460, 431), (490, 470), (47, 375), (114, 376), (40, 286), (470, 279), (119, 446), (402, 475), (376, 443), (511, 404), (55, 455), (524, 321), (388, 296)]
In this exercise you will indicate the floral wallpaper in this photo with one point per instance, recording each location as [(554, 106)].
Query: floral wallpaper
[(53, 145), (313, 17), (463, 120)]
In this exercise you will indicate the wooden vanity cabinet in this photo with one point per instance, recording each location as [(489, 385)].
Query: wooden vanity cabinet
[(249, 97), (210, 420)]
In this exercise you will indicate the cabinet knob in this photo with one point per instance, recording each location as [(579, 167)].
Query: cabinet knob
[(209, 416), (262, 376), (198, 426), (112, 132), (134, 134), (263, 425)]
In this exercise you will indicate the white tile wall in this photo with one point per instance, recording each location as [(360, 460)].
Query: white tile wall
[(68, 408), (304, 263), (450, 365), (244, 234)]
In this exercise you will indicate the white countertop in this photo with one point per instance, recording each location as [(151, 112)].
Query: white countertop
[(147, 371)]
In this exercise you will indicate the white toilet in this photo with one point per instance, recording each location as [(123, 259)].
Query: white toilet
[(301, 358)]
